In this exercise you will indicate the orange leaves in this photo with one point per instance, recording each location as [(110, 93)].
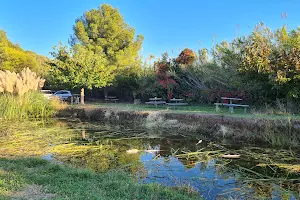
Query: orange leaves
[(186, 57)]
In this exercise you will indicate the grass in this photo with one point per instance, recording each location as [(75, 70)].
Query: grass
[(36, 178), (195, 109), (29, 105)]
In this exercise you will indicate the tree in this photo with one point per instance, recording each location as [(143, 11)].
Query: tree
[(14, 58), (186, 57), (203, 56), (104, 30), (275, 56), (77, 67), (102, 46)]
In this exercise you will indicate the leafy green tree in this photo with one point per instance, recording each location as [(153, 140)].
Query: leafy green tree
[(203, 56), (275, 56), (104, 30), (77, 67), (14, 58), (102, 47)]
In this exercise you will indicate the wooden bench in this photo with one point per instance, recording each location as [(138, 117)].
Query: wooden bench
[(155, 101), (177, 104), (231, 106), (111, 99)]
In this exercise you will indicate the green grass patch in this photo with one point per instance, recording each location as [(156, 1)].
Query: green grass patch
[(65, 182), (29, 105)]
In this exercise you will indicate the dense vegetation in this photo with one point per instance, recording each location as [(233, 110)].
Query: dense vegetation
[(29, 105), (14, 58), (20, 97), (262, 68)]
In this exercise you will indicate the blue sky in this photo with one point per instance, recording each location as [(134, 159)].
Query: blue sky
[(38, 25)]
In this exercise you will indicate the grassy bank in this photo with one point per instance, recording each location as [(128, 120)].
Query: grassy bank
[(40, 179)]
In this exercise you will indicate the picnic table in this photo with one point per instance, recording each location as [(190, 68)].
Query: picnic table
[(111, 98), (75, 99), (176, 102), (231, 105), (156, 101)]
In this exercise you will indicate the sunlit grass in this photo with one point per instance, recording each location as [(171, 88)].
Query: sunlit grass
[(65, 182), (29, 105)]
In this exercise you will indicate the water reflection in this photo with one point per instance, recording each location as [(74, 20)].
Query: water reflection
[(158, 157), (211, 179)]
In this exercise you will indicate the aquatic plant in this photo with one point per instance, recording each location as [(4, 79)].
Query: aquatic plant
[(262, 170)]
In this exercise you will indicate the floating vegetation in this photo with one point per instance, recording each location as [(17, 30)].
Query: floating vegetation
[(258, 170)]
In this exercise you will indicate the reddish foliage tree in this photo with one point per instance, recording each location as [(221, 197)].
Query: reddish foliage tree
[(164, 80), (186, 57)]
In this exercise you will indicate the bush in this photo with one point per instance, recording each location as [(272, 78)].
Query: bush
[(29, 105)]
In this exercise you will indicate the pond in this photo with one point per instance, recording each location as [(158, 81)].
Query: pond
[(215, 169)]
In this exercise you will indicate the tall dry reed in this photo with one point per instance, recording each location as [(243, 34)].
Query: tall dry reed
[(20, 97), (20, 83)]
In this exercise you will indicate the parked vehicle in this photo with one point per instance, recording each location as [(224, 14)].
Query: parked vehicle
[(47, 93), (63, 95)]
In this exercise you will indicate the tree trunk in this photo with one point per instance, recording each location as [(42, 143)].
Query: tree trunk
[(82, 96), (105, 92), (291, 105)]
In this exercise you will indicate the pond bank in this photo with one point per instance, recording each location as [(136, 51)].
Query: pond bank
[(277, 132)]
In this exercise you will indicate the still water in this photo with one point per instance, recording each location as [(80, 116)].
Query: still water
[(164, 157)]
